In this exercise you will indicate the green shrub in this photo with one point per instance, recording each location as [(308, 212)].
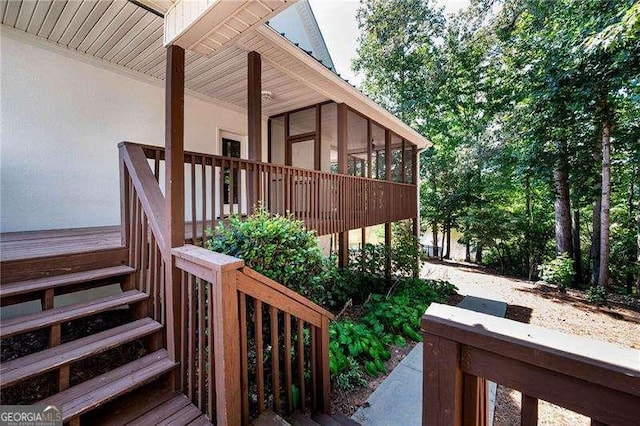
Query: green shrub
[(558, 271), (350, 377), (278, 247), (366, 345), (597, 295), (406, 255)]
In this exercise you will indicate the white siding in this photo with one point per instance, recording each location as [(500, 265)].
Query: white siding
[(61, 120)]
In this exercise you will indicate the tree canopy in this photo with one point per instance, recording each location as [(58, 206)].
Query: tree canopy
[(533, 109)]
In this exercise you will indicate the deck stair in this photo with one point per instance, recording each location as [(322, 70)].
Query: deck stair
[(80, 393)]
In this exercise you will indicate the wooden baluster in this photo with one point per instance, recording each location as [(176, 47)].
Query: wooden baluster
[(194, 217), (201, 344), (323, 366), (287, 359), (222, 192), (191, 305), (211, 400), (474, 400), (231, 191), (156, 165), (259, 357), (153, 264), (275, 358), (314, 374), (301, 383), (204, 198), (144, 264), (185, 330), (244, 358), (529, 411)]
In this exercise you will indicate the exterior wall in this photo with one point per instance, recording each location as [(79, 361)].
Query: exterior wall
[(62, 116)]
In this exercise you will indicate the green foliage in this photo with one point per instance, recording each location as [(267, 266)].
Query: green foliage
[(597, 295), (351, 341), (558, 271), (350, 377), (278, 247)]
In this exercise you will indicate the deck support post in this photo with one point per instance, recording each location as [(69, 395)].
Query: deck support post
[(174, 191), (343, 137), (254, 122), (387, 225), (415, 221)]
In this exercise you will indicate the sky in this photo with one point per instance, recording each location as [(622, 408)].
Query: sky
[(337, 21)]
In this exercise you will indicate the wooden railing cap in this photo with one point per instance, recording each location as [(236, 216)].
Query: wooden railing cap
[(496, 334), (207, 258)]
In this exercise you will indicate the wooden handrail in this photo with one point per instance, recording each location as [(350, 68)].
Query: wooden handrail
[(235, 308), (147, 188), (593, 378)]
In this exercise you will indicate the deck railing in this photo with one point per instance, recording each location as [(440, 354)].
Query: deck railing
[(217, 187), (596, 379), (238, 347), (143, 222)]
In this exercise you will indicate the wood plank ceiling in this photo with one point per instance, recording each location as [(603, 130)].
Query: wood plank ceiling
[(122, 33)]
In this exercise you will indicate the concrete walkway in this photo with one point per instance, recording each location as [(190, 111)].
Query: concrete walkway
[(398, 400)]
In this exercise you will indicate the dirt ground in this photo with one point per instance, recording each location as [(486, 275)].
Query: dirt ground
[(544, 306)]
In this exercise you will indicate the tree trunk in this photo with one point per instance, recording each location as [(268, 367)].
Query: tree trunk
[(444, 234), (603, 276), (527, 231), (577, 250), (467, 251), (630, 278), (479, 253), (562, 203), (434, 231), (448, 255), (595, 237)]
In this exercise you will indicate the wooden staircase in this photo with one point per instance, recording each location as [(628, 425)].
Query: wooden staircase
[(79, 391)]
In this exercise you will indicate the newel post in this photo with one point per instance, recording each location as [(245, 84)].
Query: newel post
[(442, 379), (227, 344)]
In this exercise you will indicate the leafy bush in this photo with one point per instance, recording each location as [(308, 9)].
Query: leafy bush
[(406, 255), (349, 377), (597, 295), (558, 271), (366, 345), (278, 247), (396, 314)]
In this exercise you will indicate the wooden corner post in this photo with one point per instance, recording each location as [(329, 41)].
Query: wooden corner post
[(343, 137), (174, 191), (227, 344), (254, 122), (387, 177)]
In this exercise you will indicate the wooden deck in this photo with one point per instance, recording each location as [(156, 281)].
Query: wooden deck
[(55, 242)]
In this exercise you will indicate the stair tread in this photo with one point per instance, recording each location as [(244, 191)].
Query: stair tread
[(160, 413), (325, 420), (344, 420), (49, 317), (183, 416), (40, 362), (298, 419), (88, 395), (40, 284), (269, 418)]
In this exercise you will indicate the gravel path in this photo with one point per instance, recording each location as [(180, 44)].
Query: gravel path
[(546, 307)]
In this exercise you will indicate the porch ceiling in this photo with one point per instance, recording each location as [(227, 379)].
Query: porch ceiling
[(124, 34)]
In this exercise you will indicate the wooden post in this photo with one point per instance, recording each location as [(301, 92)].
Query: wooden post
[(415, 221), (442, 382), (174, 190), (343, 137), (317, 155), (529, 411), (227, 343), (324, 383), (474, 400), (254, 122), (387, 176)]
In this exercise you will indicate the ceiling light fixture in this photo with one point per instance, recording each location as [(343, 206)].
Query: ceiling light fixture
[(266, 95)]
